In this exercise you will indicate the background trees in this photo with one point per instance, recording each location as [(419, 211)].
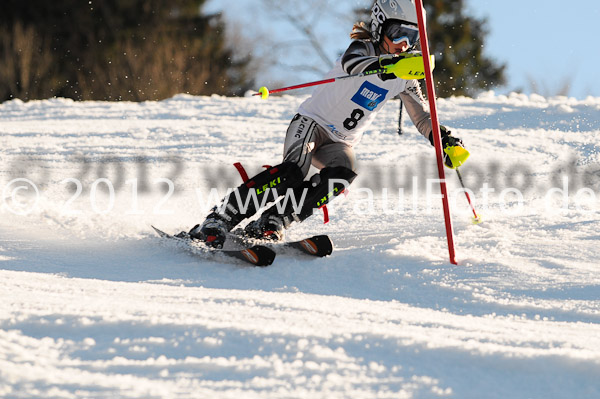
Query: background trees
[(115, 50)]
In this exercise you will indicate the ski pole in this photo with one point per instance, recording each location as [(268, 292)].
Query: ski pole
[(400, 119), (476, 218), (264, 92), (410, 66)]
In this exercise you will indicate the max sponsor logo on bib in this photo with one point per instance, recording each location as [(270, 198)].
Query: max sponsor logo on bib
[(369, 96)]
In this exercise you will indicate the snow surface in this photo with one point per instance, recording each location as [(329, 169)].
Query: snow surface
[(93, 305)]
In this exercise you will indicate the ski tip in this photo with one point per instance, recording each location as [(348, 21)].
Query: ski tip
[(159, 232), (320, 245), (259, 255)]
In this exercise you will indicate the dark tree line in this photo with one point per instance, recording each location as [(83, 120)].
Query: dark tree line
[(115, 50), (458, 42)]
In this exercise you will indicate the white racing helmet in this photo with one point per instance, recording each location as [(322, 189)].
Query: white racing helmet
[(401, 11)]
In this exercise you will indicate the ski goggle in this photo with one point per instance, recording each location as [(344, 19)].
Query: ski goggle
[(399, 33)]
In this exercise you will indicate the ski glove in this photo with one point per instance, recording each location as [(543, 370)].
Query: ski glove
[(454, 151), (386, 61), (405, 66)]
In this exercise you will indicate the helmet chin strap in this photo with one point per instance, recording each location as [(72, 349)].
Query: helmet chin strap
[(383, 46)]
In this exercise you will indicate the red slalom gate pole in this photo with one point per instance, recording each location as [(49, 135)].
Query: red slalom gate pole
[(437, 139)]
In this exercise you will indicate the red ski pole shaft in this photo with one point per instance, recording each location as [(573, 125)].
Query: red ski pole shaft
[(467, 194), (300, 86), (320, 82)]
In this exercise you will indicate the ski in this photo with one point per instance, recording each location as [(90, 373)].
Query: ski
[(257, 255), (319, 245)]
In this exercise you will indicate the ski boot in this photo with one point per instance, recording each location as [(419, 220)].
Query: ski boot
[(213, 231), (245, 200), (317, 191), (269, 226)]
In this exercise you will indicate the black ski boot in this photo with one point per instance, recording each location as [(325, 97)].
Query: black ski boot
[(269, 226), (213, 231), (316, 192), (245, 200)]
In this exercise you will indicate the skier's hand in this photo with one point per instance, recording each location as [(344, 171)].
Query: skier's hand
[(453, 149), (405, 66), (455, 153), (387, 61)]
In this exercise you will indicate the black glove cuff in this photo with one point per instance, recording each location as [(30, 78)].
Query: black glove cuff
[(443, 131), (388, 59)]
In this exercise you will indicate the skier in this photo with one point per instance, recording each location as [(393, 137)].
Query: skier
[(325, 129)]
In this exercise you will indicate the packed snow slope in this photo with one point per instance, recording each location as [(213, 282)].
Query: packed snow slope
[(94, 305)]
